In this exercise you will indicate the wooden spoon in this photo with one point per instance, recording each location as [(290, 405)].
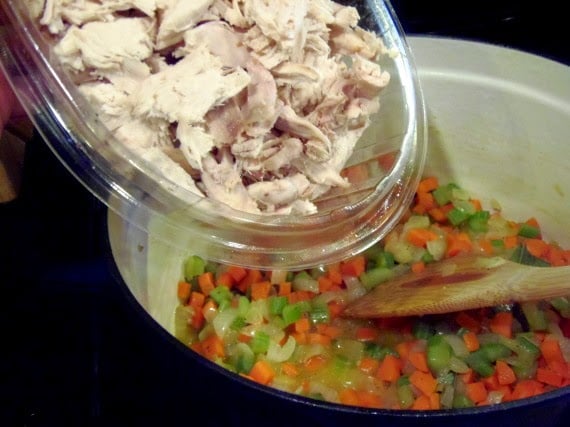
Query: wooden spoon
[(461, 283)]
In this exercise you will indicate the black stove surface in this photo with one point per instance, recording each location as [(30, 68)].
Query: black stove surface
[(73, 349)]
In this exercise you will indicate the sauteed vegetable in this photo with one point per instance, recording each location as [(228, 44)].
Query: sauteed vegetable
[(286, 330)]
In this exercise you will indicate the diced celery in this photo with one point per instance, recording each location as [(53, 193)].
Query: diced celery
[(320, 314), (304, 282), (529, 231), (406, 396), (457, 216), (276, 304), (291, 313), (259, 342), (376, 351), (443, 194), (535, 316), (349, 348), (422, 329), (460, 194), (220, 294), (243, 306), (480, 364), (244, 358), (478, 222), (385, 259), (439, 353), (462, 401), (373, 277), (494, 351), (193, 266)]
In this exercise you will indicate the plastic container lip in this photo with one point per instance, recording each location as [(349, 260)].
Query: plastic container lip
[(136, 190)]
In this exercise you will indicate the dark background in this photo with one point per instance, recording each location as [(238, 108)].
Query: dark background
[(74, 350)]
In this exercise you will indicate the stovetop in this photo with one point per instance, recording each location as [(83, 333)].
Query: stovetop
[(73, 350)]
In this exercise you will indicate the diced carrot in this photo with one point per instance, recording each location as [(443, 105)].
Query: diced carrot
[(510, 241), (549, 377), (348, 396), (418, 267), (438, 215), (302, 325), (491, 382), (419, 360), (206, 282), (434, 401), (471, 341), (550, 349), (355, 266), (252, 276), (335, 309), (419, 209), (197, 320), (329, 330), (502, 324), (314, 363), (244, 338), (386, 161), (225, 279), (403, 349), (457, 243), (284, 289), (356, 173), (555, 256), (300, 337), (325, 283), (428, 184), (467, 321), (420, 236), (526, 388), (316, 338), (364, 333), (260, 290), (197, 300), (536, 247), (369, 365), (289, 369), (238, 273), (562, 368), (468, 376), (262, 372), (533, 222), (184, 290), (476, 204), (390, 369), (486, 246), (421, 403), (426, 200), (334, 273), (476, 392), (424, 381), (368, 399), (505, 374), (213, 347)]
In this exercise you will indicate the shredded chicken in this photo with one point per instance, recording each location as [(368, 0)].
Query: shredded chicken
[(254, 103)]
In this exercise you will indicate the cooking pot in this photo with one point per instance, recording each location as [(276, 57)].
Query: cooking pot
[(498, 121)]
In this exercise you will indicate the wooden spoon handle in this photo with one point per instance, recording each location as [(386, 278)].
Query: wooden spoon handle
[(459, 284)]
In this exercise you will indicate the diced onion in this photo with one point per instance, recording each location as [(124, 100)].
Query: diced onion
[(277, 353), (457, 344), (278, 276), (224, 320)]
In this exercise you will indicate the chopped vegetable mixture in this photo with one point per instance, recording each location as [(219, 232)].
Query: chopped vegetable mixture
[(285, 329)]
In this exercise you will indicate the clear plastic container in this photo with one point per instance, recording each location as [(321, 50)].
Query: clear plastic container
[(346, 223)]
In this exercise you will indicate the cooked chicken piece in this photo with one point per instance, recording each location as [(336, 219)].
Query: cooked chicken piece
[(222, 182), (279, 192), (319, 145), (178, 93), (177, 17), (221, 41), (105, 45), (262, 107), (57, 13), (226, 123), (257, 104)]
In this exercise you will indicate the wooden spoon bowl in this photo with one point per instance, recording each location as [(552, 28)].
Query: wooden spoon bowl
[(461, 283)]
